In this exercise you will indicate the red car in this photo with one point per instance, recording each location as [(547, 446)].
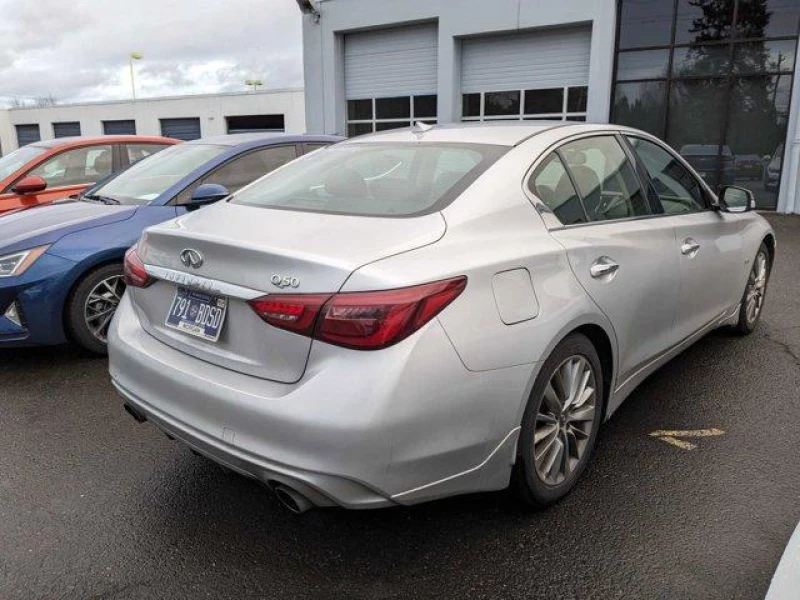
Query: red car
[(52, 169)]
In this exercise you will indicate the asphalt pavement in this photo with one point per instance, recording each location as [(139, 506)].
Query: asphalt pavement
[(94, 505)]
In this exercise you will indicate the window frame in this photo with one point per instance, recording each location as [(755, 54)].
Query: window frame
[(564, 115), (374, 121)]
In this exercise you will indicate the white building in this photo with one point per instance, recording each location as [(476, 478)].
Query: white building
[(721, 92), (184, 117)]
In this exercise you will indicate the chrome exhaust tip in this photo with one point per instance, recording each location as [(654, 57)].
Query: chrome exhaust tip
[(292, 499)]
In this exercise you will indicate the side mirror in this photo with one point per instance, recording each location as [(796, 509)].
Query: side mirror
[(205, 194), (736, 199), (30, 185)]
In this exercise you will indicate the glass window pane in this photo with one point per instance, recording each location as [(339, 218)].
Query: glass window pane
[(606, 180), (676, 187), (393, 108), (359, 110), (391, 125), (539, 102), (574, 118), (645, 23), (701, 61), (79, 166), (577, 99), (354, 129), (425, 106), (501, 103), (137, 152), (471, 105), (767, 18), (644, 64), (694, 129), (641, 105), (703, 21), (551, 184), (759, 114), (764, 57)]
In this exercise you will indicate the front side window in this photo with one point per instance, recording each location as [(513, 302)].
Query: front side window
[(244, 169), (677, 189), (147, 180), (552, 185), (606, 180), (78, 166), (373, 179), (14, 161)]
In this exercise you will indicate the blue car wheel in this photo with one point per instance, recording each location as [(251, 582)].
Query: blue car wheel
[(91, 306)]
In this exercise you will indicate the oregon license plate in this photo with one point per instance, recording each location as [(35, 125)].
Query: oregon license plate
[(198, 314)]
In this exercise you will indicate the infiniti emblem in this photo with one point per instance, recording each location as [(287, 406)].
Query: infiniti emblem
[(191, 258)]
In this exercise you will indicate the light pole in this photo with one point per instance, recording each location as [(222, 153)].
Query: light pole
[(254, 83), (134, 56)]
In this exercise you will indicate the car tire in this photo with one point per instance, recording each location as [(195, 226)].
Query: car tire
[(752, 303), (546, 428), (91, 305)]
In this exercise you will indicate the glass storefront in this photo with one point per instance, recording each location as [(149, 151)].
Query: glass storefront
[(713, 78)]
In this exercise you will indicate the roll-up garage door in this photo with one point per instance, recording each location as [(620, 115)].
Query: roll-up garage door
[(120, 127), (181, 129), (399, 61), (541, 59), (66, 129), (27, 134)]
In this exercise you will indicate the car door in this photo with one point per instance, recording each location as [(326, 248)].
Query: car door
[(624, 260), (708, 242)]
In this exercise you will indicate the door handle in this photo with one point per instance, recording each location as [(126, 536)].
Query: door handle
[(689, 247), (603, 267)]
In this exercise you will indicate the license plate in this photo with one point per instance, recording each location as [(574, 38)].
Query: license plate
[(198, 314)]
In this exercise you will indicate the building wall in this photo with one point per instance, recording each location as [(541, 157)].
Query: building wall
[(211, 109), (323, 45)]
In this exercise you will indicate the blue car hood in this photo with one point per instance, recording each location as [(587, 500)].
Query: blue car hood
[(47, 224)]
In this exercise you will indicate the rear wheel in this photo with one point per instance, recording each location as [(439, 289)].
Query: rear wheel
[(91, 306), (754, 293), (560, 423)]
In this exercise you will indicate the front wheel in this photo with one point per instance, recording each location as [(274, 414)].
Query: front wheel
[(560, 423), (91, 306), (754, 293)]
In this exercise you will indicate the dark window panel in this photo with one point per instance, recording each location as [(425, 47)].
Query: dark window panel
[(393, 108), (354, 129), (580, 119), (641, 105), (501, 103), (767, 18), (539, 102), (577, 99), (645, 23), (471, 105), (255, 123), (359, 110), (695, 127), (704, 21), (705, 61), (425, 106), (391, 125), (643, 64), (758, 118), (764, 57)]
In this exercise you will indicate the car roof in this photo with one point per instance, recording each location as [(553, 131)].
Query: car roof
[(505, 133), (264, 139), (88, 140)]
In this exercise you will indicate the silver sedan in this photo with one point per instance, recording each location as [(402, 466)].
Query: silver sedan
[(434, 311)]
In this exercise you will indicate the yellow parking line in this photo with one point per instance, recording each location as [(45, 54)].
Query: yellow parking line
[(671, 436)]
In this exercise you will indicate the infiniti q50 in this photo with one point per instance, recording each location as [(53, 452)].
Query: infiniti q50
[(434, 311)]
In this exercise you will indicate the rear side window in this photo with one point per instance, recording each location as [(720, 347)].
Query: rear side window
[(552, 185), (373, 179), (137, 152), (677, 189), (605, 179), (78, 166)]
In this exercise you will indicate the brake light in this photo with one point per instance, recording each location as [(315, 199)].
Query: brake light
[(135, 273), (360, 320)]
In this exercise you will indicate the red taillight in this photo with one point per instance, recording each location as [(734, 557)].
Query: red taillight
[(135, 273), (360, 320)]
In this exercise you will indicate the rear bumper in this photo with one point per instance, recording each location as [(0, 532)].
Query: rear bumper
[(359, 430)]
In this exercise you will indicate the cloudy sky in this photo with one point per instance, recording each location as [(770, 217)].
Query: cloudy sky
[(77, 50)]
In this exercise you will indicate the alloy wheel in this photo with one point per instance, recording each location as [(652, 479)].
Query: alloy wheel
[(756, 288), (101, 304), (564, 421)]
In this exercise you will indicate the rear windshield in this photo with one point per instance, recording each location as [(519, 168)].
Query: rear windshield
[(373, 179)]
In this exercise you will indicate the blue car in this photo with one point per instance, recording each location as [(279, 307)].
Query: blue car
[(61, 265)]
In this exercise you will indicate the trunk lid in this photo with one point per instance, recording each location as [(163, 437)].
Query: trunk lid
[(249, 252)]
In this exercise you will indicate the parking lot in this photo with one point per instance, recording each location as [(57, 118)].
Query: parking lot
[(93, 505)]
